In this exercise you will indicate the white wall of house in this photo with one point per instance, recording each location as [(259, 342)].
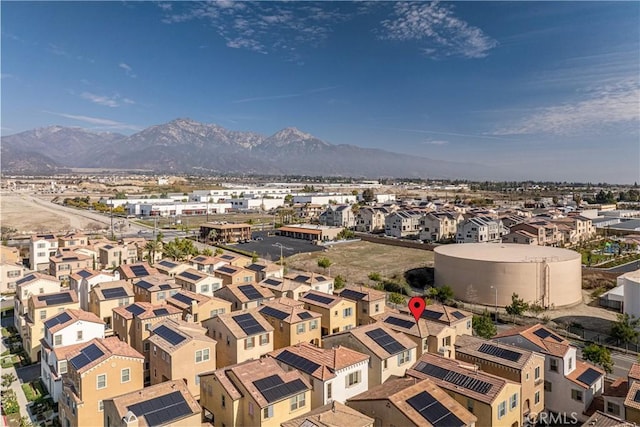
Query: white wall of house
[(39, 252), (323, 199), (84, 287), (258, 204), (340, 391)]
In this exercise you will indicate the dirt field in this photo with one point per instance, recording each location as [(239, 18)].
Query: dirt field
[(354, 261)]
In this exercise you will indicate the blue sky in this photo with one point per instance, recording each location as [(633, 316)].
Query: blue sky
[(545, 90)]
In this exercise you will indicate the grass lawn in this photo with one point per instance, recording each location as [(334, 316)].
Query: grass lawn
[(5, 332), (33, 391), (354, 261)]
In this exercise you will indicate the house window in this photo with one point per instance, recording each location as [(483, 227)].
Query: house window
[(347, 312), (146, 346), (147, 326), (576, 395), (446, 341), (502, 409), (547, 386), (425, 345), (161, 295), (468, 324), (536, 398), (513, 401), (329, 390), (79, 336), (536, 374), (553, 365), (313, 324), (377, 308), (43, 314), (57, 340), (612, 408), (223, 401), (249, 342), (202, 355), (268, 412), (62, 367), (264, 339), (384, 364), (204, 288), (353, 378), (297, 402), (404, 357), (197, 380), (102, 381), (570, 363), (125, 375), (300, 329), (100, 405)]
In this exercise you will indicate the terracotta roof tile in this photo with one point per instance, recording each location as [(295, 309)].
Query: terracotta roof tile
[(360, 333), (631, 401), (581, 368), (331, 415), (634, 372), (553, 344), (75, 315)]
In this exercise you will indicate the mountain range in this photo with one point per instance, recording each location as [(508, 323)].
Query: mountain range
[(187, 146)]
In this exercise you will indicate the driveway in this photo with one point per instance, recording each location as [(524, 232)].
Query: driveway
[(28, 373)]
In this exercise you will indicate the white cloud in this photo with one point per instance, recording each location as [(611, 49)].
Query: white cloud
[(107, 123), (435, 142), (127, 69), (609, 105), (107, 101), (435, 25)]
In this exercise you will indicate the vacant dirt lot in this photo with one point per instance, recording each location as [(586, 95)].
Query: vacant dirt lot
[(354, 261)]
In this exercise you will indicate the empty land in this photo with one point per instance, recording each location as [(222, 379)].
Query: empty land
[(354, 261)]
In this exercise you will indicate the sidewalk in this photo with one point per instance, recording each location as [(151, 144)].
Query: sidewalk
[(16, 386)]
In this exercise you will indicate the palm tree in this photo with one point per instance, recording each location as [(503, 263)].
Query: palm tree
[(151, 247), (213, 234)]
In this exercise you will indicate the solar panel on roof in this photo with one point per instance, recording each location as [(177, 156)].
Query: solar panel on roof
[(433, 411), (227, 270), (250, 292), (62, 298), (227, 257), (455, 378), (298, 362), (160, 311), (589, 376), (272, 282), (169, 335), (162, 409), (248, 324), (25, 279), (190, 276), (321, 278), (352, 295), (164, 287), (270, 311), (70, 258), (183, 298), (403, 323), (430, 314), (86, 356), (84, 273), (139, 270), (301, 278), (114, 293), (134, 309), (319, 298), (144, 284), (304, 315), (502, 353), (458, 315), (58, 320), (167, 264), (386, 341), (541, 333), (274, 389)]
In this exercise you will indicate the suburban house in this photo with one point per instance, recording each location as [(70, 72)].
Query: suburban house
[(41, 248), (335, 374), (613, 397), (63, 265), (256, 393), (197, 307), (114, 254), (291, 324), (370, 219), (545, 232), (106, 296), (285, 287), (403, 224), (72, 240), (520, 237), (169, 267), (10, 255), (198, 282), (369, 302), (576, 228), (515, 364), (390, 352), (39, 308), (494, 400), (231, 275), (180, 351), (338, 314), (307, 211), (481, 229), (241, 336), (265, 270), (32, 283), (338, 216), (429, 337), (333, 414), (408, 402), (244, 296), (458, 319), (439, 226), (207, 264), (10, 273), (99, 370), (166, 404), (632, 400), (317, 282), (129, 272), (569, 384), (83, 280), (235, 259), (154, 289), (65, 330), (224, 233)]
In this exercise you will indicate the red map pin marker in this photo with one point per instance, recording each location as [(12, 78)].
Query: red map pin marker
[(416, 306)]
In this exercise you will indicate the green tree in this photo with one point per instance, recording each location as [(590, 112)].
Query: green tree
[(207, 252), (442, 294), (219, 251), (254, 257), (483, 326), (517, 306), (625, 329), (151, 248), (288, 199), (339, 282), (120, 195), (8, 379), (212, 236), (396, 298), (368, 195), (598, 355), (324, 262)]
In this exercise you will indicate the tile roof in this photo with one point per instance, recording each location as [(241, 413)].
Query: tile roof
[(360, 333), (74, 316), (190, 331), (148, 310), (293, 312), (100, 287), (32, 277), (331, 415), (369, 293), (227, 320), (581, 368), (38, 302), (634, 372), (308, 278), (284, 285), (191, 275), (127, 272), (329, 360), (446, 314), (631, 400), (473, 349), (617, 388), (111, 346), (85, 273), (240, 296), (422, 329), (307, 298), (176, 300), (600, 419), (552, 344), (156, 282)]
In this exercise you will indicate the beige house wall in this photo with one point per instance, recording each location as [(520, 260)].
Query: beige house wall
[(231, 350), (382, 414), (332, 320), (35, 328), (632, 414)]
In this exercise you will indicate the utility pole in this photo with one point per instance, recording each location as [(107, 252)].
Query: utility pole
[(111, 215)]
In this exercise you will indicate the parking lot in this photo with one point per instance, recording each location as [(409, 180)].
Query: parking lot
[(270, 246)]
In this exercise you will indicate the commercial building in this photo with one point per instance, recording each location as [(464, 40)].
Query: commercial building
[(314, 233), (225, 233)]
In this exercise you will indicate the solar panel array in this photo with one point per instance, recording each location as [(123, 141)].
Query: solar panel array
[(165, 286), (455, 378), (227, 270), (169, 335), (135, 309), (298, 362), (304, 315), (162, 409), (589, 376), (636, 398), (458, 315), (160, 311), (139, 270), (430, 314), (352, 295), (274, 389), (301, 278), (183, 298), (403, 323), (167, 264), (502, 353), (112, 293), (58, 320), (319, 298), (144, 284), (25, 279), (433, 411), (272, 282), (70, 258), (190, 276), (320, 278), (250, 292), (62, 298), (543, 333), (84, 273), (386, 341), (86, 356), (270, 311), (248, 324)]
